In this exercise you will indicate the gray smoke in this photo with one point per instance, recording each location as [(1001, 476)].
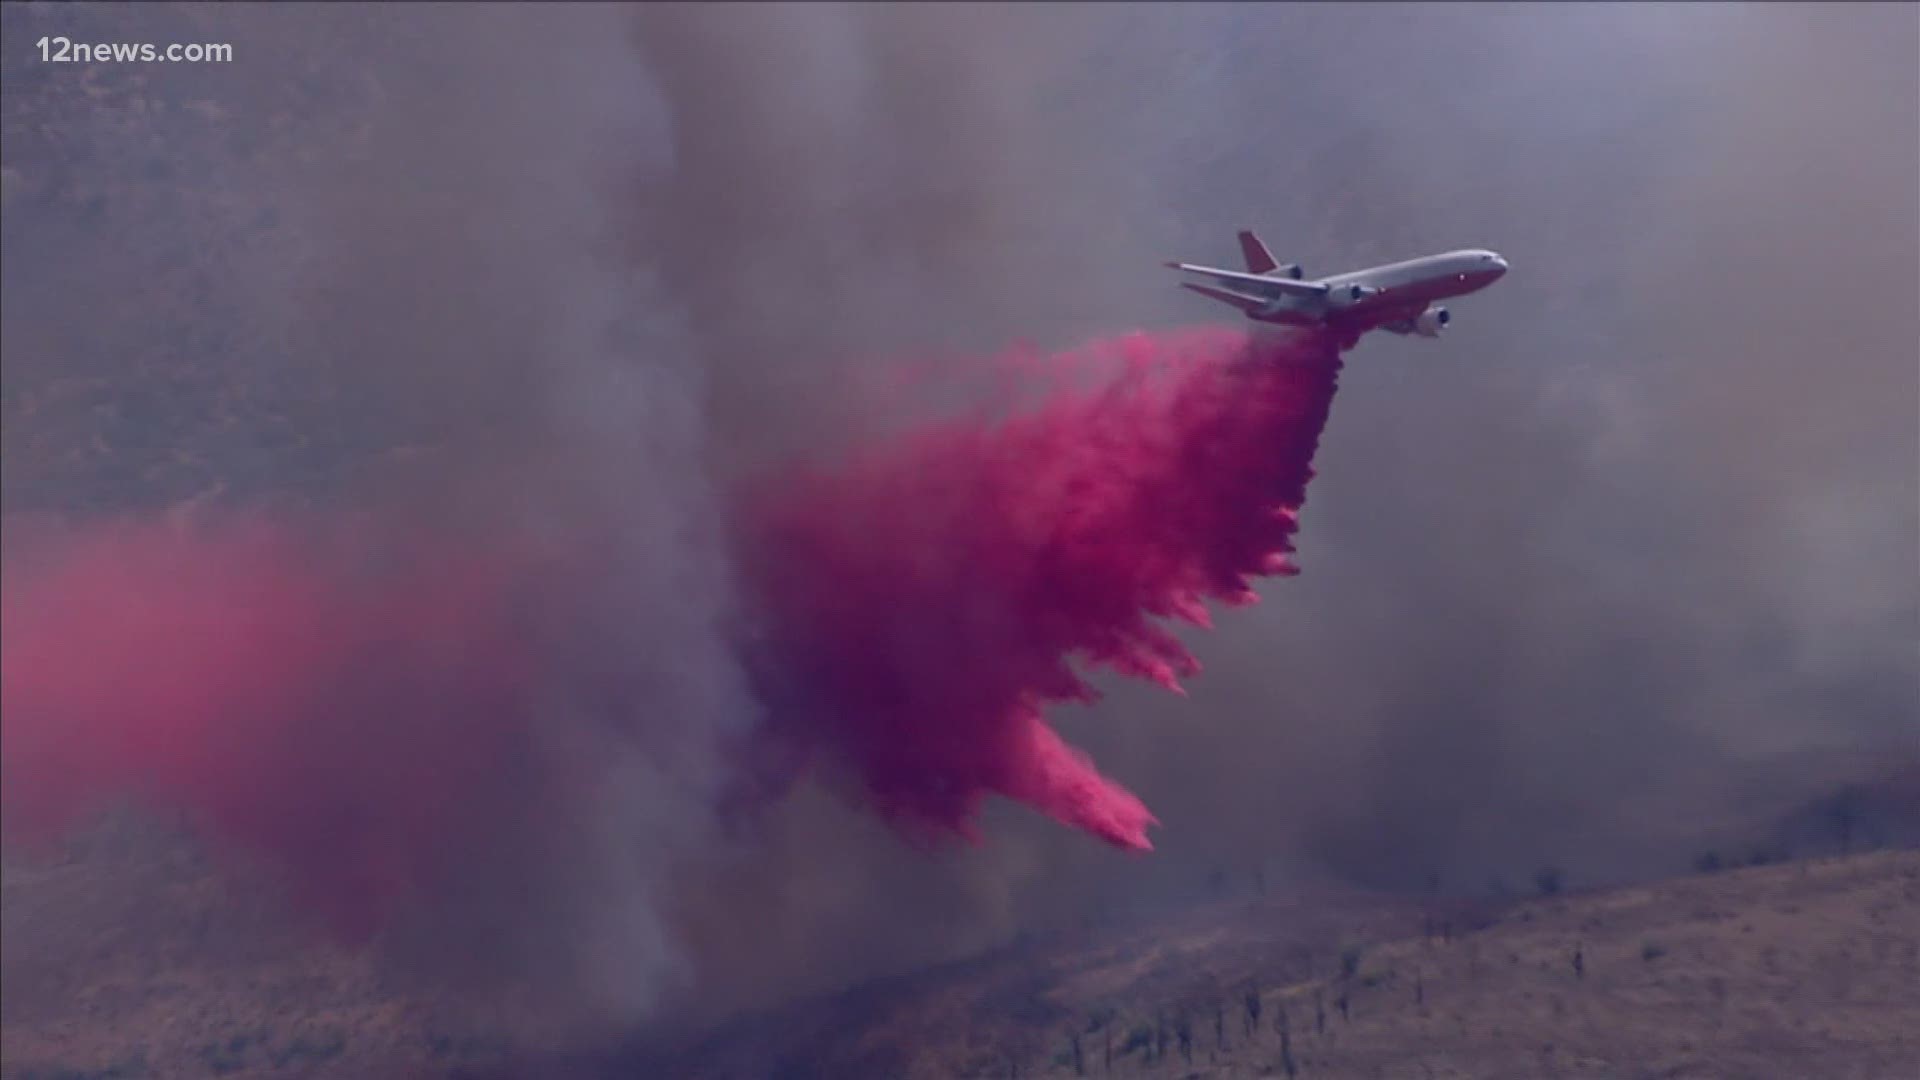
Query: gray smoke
[(403, 292), (470, 277), (1647, 511), (1565, 575)]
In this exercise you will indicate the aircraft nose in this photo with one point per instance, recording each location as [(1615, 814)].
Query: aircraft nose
[(1499, 264)]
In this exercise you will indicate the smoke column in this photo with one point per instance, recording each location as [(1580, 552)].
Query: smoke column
[(922, 601)]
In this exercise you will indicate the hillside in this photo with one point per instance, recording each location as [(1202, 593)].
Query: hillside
[(1802, 969)]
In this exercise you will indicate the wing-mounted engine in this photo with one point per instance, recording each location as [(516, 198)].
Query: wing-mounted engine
[(1290, 270), (1428, 323), (1347, 295)]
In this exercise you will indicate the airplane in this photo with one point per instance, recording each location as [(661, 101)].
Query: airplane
[(1398, 297)]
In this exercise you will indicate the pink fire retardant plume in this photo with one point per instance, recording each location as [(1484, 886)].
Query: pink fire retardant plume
[(348, 704), (336, 720), (930, 594)]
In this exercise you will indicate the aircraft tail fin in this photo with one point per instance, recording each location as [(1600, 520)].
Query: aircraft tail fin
[(1259, 259)]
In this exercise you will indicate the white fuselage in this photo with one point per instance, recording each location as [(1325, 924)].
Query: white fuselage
[(1382, 294), (1402, 297)]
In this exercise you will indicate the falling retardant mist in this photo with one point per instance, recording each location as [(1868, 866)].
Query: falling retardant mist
[(349, 702), (929, 596)]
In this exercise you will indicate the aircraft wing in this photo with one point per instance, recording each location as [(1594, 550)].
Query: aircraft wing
[(1254, 286), (1248, 304)]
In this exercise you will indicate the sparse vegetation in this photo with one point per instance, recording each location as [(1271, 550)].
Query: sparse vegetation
[(1549, 880), (304, 1050), (133, 1068), (1844, 812), (1350, 958), (1101, 1020)]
